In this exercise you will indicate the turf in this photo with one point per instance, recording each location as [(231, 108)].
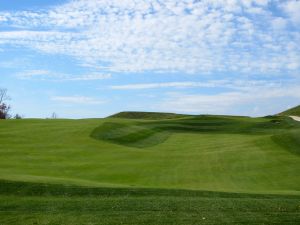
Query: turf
[(145, 133), (291, 112), (228, 170), (289, 141), (147, 115), (31, 203)]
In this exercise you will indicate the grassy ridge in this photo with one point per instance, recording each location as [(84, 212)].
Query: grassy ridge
[(144, 133), (30, 203), (291, 112), (147, 115), (290, 141), (132, 135)]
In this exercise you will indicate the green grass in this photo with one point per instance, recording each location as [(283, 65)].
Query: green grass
[(141, 133), (289, 141), (229, 170), (31, 203), (291, 112), (148, 115)]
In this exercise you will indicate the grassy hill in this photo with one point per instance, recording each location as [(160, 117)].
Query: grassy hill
[(291, 112), (147, 115), (182, 170), (149, 133)]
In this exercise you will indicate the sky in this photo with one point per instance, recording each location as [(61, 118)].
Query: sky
[(93, 58)]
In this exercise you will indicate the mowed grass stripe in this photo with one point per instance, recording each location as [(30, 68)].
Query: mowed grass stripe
[(30, 203)]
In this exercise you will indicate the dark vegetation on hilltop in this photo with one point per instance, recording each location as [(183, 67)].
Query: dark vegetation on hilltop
[(291, 112), (4, 107), (295, 111), (147, 115)]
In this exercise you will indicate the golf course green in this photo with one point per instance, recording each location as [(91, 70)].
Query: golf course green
[(150, 168)]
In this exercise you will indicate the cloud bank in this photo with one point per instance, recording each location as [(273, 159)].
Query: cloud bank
[(190, 36)]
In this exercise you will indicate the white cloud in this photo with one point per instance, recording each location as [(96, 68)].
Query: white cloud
[(228, 102), (292, 9), (89, 77), (201, 103), (262, 2), (77, 100), (230, 84), (162, 85), (279, 23), (186, 36), (244, 97), (54, 76), (31, 74)]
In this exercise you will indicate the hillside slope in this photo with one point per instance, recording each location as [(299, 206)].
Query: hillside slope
[(217, 153), (235, 170), (291, 112), (149, 133)]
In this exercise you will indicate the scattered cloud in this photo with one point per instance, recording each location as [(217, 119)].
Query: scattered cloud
[(162, 85), (54, 76), (182, 36), (77, 100), (31, 74), (279, 23), (226, 96), (292, 9), (89, 77), (230, 83), (247, 38), (229, 102)]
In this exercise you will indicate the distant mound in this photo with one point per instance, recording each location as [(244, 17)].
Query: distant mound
[(289, 141), (291, 112), (147, 115), (143, 133)]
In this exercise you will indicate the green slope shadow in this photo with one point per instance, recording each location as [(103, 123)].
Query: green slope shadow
[(288, 141), (130, 135), (21, 188), (148, 115)]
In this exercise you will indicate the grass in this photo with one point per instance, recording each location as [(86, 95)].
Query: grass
[(228, 170), (289, 141), (149, 133), (291, 112), (31, 203), (147, 115)]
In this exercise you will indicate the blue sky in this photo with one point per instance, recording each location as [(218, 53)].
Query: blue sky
[(93, 58)]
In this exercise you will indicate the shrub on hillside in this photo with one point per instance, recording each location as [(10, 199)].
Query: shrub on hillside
[(4, 111)]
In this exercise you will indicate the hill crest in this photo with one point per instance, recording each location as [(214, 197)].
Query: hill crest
[(295, 111), (147, 115)]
